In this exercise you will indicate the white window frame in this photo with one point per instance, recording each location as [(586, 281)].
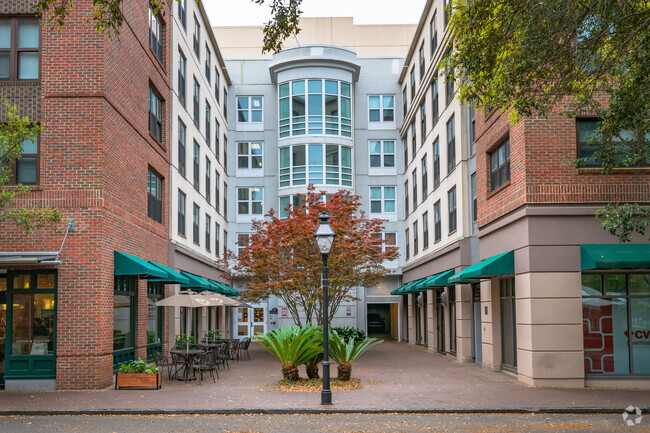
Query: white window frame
[(383, 200), (249, 125), (381, 123), (382, 169), (250, 202), (249, 170)]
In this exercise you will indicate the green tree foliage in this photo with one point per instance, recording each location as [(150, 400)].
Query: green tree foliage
[(344, 353), (577, 57), (13, 133)]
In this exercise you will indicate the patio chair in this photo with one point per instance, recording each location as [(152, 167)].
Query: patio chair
[(178, 363), (205, 362), (234, 351), (223, 353), (197, 347), (162, 362), (243, 348)]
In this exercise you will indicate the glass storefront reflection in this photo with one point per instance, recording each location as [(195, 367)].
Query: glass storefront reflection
[(32, 327)]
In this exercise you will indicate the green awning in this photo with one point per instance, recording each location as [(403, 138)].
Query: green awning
[(126, 264), (224, 288), (437, 280), (615, 256), (404, 289), (196, 282), (172, 276), (501, 264)]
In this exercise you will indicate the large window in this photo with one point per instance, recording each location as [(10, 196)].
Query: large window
[(243, 239), (181, 213), (407, 238), (288, 202), (25, 169), (208, 60), (20, 42), (407, 203), (433, 29), (208, 183), (415, 238), (381, 108), (422, 60), (451, 196), (319, 164), (404, 102), (472, 129), (217, 245), (315, 107), (414, 140), (217, 195), (155, 34), (425, 177), (449, 86), (587, 130), (249, 109), (208, 227), (451, 145), (382, 153), (155, 194), (195, 164), (436, 163), (413, 82), (217, 147), (195, 113), (249, 155), (182, 132), (182, 12), (155, 292), (182, 67), (124, 317), (437, 222), (196, 38), (474, 202), (382, 199), (447, 12), (423, 120), (250, 201), (208, 116), (425, 230), (216, 84), (414, 180), (435, 104), (615, 323), (195, 223), (388, 239), (155, 114), (500, 166)]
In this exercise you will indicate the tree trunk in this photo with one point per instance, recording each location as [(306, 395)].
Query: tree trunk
[(344, 371), (290, 373), (312, 366)]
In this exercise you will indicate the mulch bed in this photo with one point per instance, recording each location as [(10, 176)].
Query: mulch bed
[(316, 385)]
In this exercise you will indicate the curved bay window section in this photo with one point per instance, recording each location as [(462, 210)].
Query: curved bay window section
[(319, 164), (315, 107)]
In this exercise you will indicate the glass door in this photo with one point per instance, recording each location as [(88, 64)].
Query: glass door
[(259, 322), (3, 326), (250, 321), (243, 324), (508, 325)]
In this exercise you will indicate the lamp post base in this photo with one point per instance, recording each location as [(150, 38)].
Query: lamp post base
[(326, 397)]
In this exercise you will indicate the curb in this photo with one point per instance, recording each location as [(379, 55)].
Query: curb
[(122, 412)]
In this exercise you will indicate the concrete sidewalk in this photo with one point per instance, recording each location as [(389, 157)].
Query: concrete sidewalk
[(397, 377)]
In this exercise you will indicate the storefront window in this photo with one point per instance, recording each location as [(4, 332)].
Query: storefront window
[(33, 319), (616, 312), (122, 337), (3, 324)]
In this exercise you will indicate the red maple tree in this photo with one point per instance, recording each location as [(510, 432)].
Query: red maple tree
[(282, 259)]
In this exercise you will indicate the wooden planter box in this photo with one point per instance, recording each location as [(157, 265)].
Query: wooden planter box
[(138, 381)]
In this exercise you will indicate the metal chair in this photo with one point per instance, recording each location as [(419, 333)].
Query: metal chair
[(178, 362), (162, 362), (205, 362), (243, 348)]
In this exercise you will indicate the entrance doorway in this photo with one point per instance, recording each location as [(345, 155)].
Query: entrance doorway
[(440, 321), (380, 321), (3, 326), (477, 346), (250, 321), (508, 325)]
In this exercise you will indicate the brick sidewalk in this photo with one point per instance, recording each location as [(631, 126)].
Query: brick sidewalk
[(396, 377)]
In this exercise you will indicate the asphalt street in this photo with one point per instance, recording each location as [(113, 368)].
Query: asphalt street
[(335, 423)]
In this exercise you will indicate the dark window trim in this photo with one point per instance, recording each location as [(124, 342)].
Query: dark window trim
[(155, 203), (13, 49), (156, 123), (13, 166)]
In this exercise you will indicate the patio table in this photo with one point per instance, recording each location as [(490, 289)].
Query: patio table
[(188, 356)]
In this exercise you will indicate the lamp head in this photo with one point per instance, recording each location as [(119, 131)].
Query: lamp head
[(324, 235)]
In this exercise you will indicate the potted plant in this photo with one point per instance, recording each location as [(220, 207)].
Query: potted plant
[(138, 375), (184, 340), (344, 353), (213, 334)]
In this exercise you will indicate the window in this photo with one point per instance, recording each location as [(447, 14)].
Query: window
[(447, 11), (225, 204), (182, 130), (197, 91), (422, 60), (315, 107), (451, 195), (435, 104), (208, 60), (225, 240), (425, 230), (216, 139), (208, 226), (436, 163), (500, 165), (407, 201), (449, 86), (404, 101), (437, 222), (217, 195), (196, 39), (414, 140), (408, 244), (319, 164), (433, 29), (425, 177), (25, 170), (208, 115), (381, 108), (451, 145), (124, 312), (249, 201), (249, 109), (406, 152), (217, 247), (382, 199), (182, 12), (181, 213), (155, 114), (289, 202), (225, 105), (196, 153), (208, 183), (20, 42), (414, 178), (415, 238), (413, 82), (195, 223), (249, 155), (423, 120), (473, 192), (155, 34), (225, 153), (382, 153), (155, 194), (472, 129), (216, 84), (588, 129), (182, 65), (243, 239)]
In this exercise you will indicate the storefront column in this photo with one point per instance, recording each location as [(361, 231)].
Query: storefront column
[(141, 320), (432, 337), (464, 323), (549, 329), (411, 318), (490, 325)]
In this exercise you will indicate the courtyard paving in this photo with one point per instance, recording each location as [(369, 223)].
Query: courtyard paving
[(395, 376)]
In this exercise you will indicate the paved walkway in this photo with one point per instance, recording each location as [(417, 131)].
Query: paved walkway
[(396, 377)]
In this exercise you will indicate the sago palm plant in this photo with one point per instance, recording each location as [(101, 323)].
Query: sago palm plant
[(344, 354), (292, 347)]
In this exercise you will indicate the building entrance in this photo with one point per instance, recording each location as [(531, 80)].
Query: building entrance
[(379, 320)]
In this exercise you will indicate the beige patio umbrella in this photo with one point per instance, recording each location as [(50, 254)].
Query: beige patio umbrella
[(219, 299), (189, 299)]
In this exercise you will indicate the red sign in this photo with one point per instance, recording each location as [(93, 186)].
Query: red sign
[(285, 312)]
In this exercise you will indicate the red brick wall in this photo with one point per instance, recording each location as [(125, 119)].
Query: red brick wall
[(541, 151), (95, 153)]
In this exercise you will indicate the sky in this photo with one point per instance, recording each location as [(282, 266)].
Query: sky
[(245, 12)]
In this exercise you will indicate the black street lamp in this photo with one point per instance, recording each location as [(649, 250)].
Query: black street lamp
[(325, 238)]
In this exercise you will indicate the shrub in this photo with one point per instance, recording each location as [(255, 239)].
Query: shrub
[(183, 339), (348, 333), (345, 353), (138, 366)]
